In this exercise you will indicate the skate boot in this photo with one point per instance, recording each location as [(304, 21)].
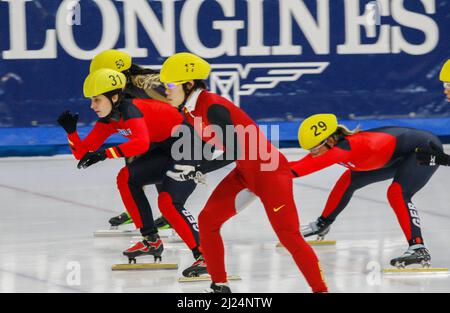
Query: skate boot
[(196, 269), (150, 245), (162, 223), (218, 288), (122, 219), (319, 228), (416, 254)]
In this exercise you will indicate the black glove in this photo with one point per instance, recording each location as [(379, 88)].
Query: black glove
[(433, 156), (91, 158), (68, 121)]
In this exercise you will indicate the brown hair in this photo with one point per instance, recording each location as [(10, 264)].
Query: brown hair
[(342, 131)]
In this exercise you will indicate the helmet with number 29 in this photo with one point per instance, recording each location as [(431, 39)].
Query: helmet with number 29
[(316, 129)]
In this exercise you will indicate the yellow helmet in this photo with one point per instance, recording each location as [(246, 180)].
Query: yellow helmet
[(445, 72), (102, 81), (112, 59), (316, 129), (183, 67)]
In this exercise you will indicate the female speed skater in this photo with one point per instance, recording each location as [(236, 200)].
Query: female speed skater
[(268, 177), (433, 155), (149, 126), (371, 156), (142, 83)]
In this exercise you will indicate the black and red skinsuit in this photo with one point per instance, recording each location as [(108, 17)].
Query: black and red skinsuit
[(372, 156), (149, 125), (272, 183)]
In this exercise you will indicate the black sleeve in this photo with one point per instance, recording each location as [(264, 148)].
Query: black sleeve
[(344, 145), (220, 117), (129, 110)]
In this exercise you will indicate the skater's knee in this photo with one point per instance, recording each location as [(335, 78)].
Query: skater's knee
[(208, 221), (395, 191), (291, 239)]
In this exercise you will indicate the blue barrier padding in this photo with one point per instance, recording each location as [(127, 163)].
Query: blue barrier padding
[(47, 141), (438, 126)]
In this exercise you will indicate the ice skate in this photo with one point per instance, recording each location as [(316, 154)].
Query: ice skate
[(319, 228), (162, 223), (121, 219), (114, 231), (218, 288), (150, 245), (197, 269), (415, 255), (416, 260)]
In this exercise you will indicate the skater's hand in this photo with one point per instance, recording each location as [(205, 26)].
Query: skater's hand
[(91, 158), (433, 156), (186, 172), (68, 121)]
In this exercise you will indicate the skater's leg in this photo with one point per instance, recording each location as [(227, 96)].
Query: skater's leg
[(346, 186), (148, 169), (219, 208), (171, 200), (340, 196), (409, 179), (278, 200)]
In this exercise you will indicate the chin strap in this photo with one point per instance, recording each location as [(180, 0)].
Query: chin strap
[(187, 93), (115, 113)]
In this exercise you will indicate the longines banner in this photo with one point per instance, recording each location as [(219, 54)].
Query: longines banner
[(279, 60)]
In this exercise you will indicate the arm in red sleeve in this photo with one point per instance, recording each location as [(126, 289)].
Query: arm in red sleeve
[(139, 140), (92, 142), (309, 165)]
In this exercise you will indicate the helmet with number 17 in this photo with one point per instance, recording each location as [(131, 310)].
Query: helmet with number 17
[(183, 67), (445, 72), (103, 81), (316, 129)]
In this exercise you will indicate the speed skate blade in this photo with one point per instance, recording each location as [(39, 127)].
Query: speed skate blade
[(315, 243), (429, 270), (145, 266), (116, 233), (204, 278)]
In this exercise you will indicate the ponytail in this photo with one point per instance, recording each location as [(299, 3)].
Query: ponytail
[(342, 132)]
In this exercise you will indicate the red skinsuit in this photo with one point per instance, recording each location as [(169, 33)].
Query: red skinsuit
[(143, 122), (273, 187), (369, 151), (372, 156), (151, 121)]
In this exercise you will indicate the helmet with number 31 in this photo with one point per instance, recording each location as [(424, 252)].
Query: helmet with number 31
[(102, 81), (316, 129)]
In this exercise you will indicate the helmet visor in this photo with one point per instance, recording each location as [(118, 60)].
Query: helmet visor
[(174, 84)]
